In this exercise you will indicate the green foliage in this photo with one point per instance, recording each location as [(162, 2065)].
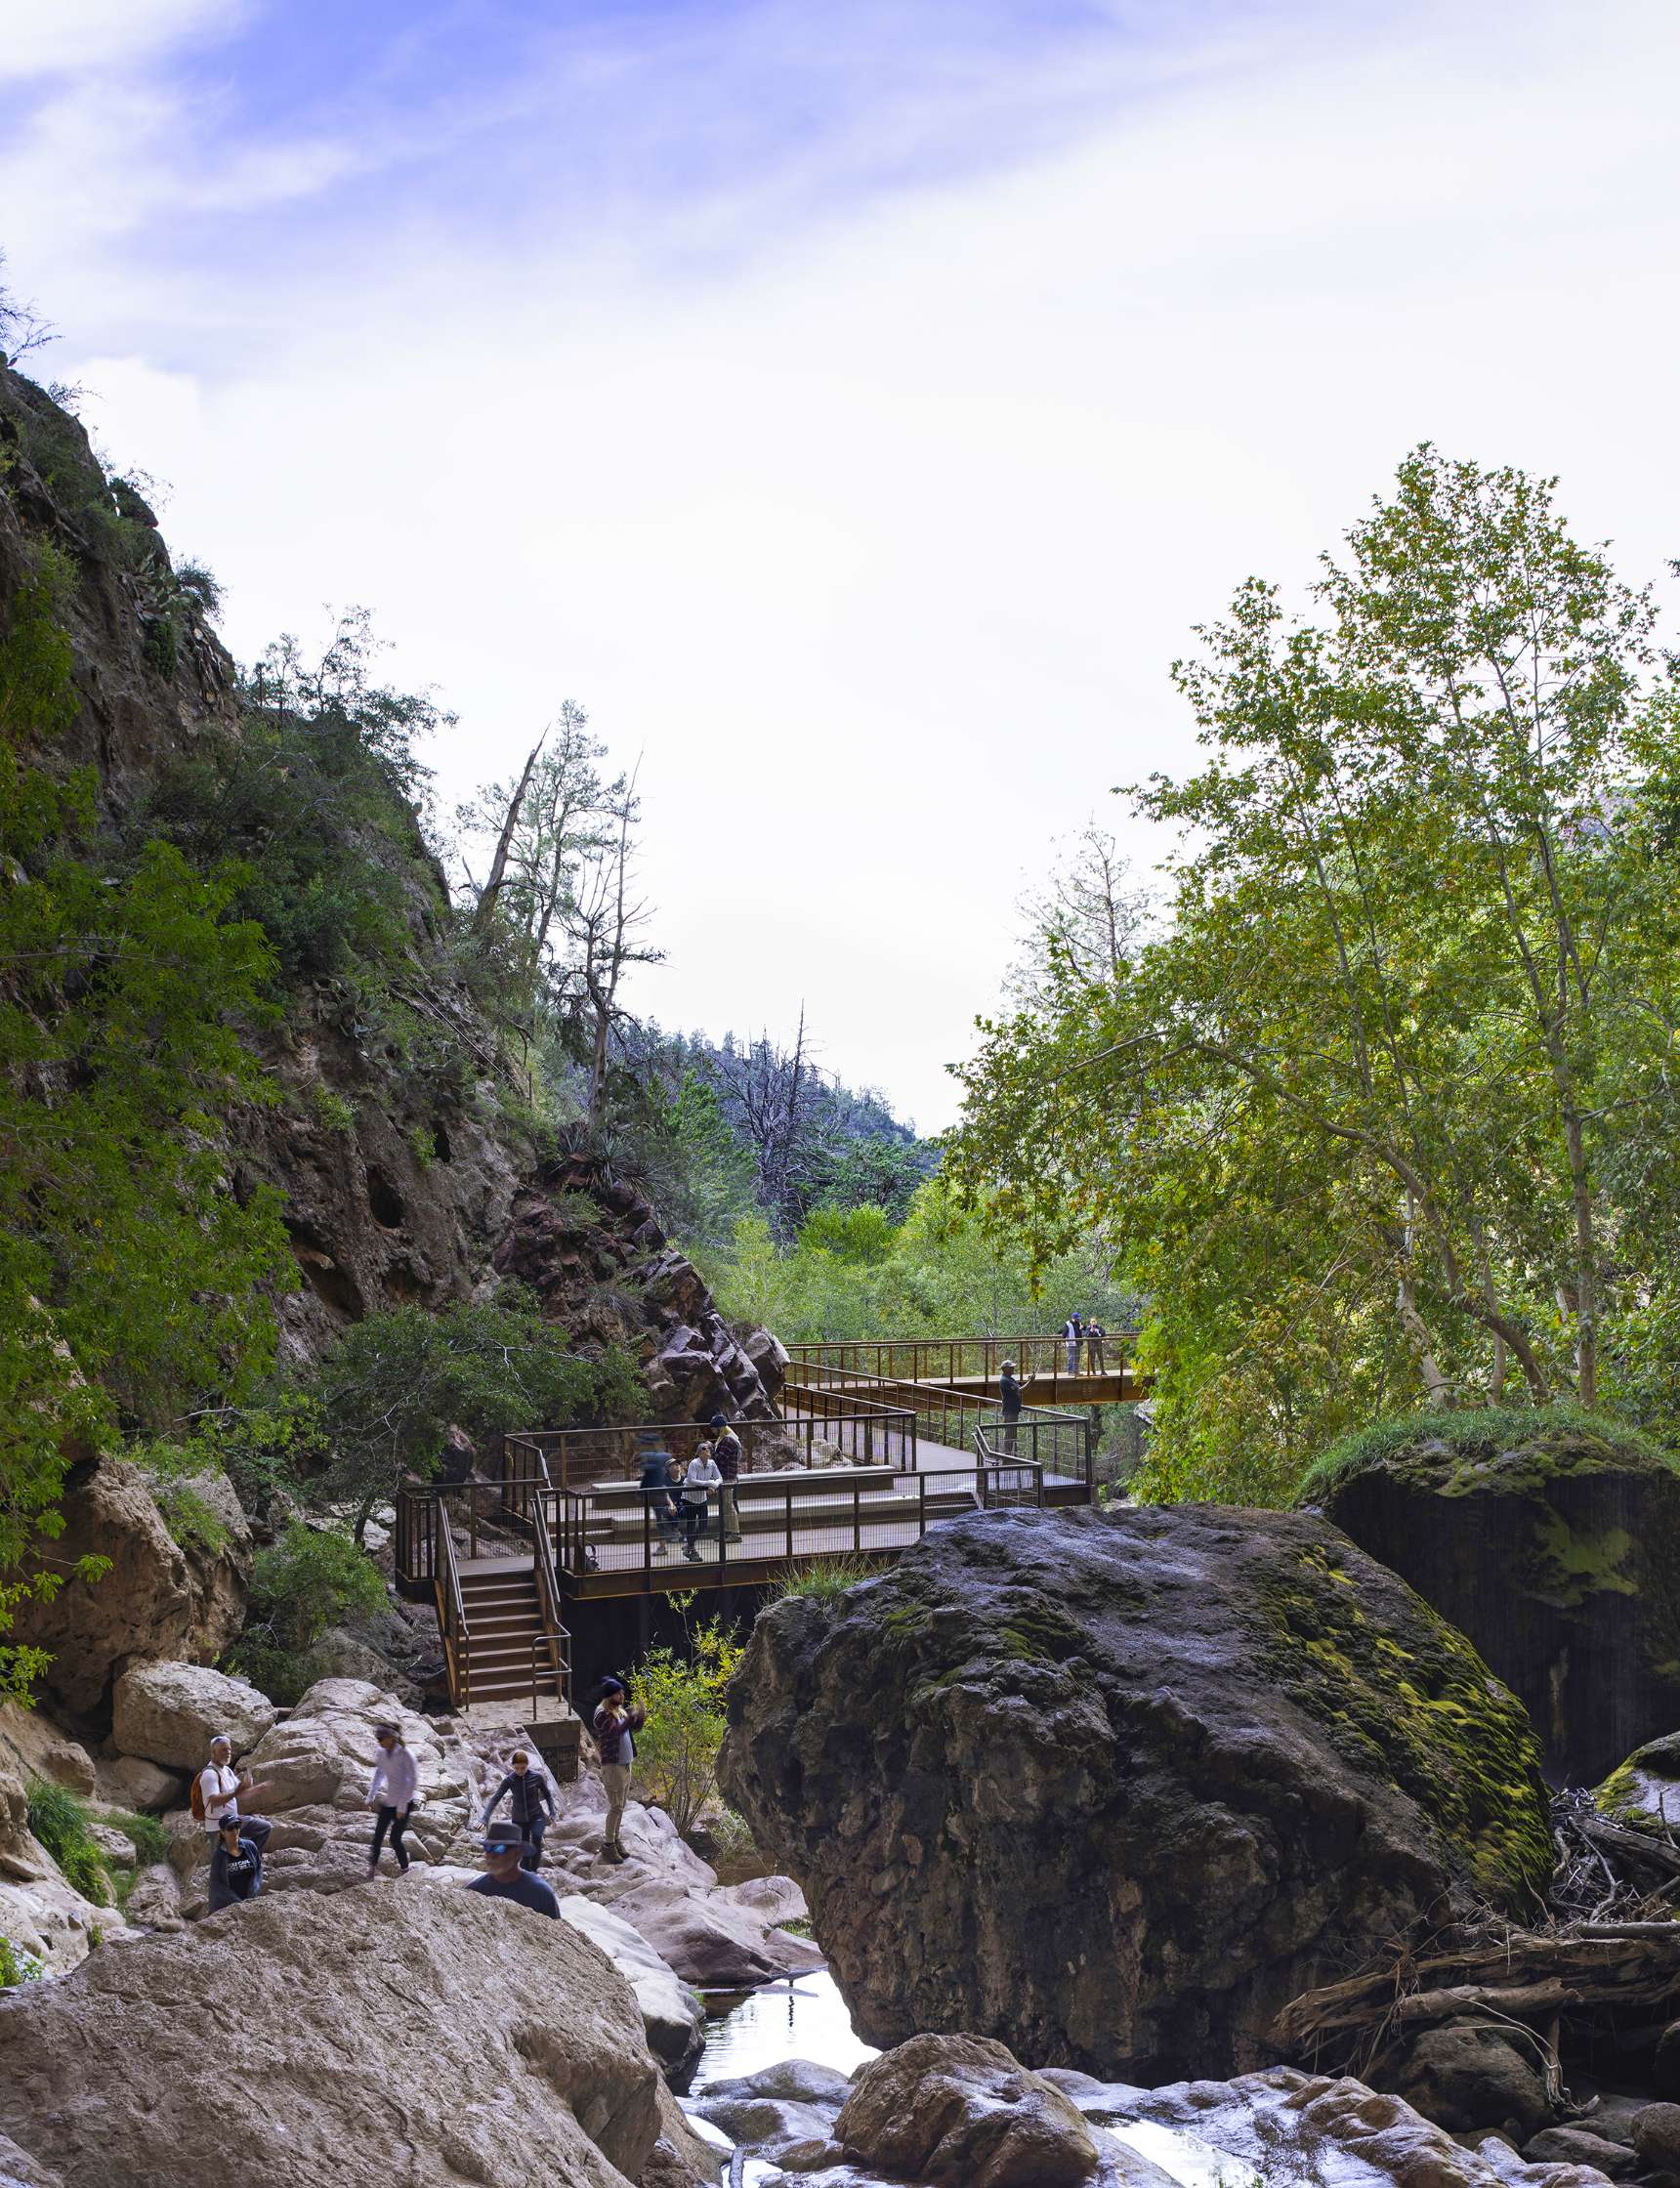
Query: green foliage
[(130, 1278), (827, 1582), (861, 1237), (392, 1385), (17, 1965), (1481, 1432), (332, 1109), (151, 1839), (59, 1821), (423, 1144), (1384, 1115), (283, 1675), (686, 1700), (311, 1580), (698, 1174)]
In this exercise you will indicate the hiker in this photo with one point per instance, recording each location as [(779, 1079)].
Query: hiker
[(699, 1478), (216, 1794), (533, 1806), (508, 1878), (391, 1791), (656, 1486), (236, 1866), (727, 1458), (1073, 1329), (1094, 1335), (616, 1721)]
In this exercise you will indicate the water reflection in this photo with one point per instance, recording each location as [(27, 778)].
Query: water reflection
[(802, 2018)]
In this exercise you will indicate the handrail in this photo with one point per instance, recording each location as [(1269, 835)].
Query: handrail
[(948, 1360), (453, 1614), (949, 1417), (548, 1592), (860, 1427)]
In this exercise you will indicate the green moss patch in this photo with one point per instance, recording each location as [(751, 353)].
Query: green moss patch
[(1424, 1715), (1509, 1449)]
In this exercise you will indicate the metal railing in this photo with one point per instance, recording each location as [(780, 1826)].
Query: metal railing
[(952, 1418), (452, 1612), (1042, 1359), (786, 1522), (1056, 1444)]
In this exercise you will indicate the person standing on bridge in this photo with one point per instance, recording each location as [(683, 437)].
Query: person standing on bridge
[(699, 1478), (1074, 1330), (1094, 1335), (1009, 1397), (726, 1456)]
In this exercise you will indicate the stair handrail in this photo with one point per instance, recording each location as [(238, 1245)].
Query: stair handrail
[(452, 1614), (548, 1596)]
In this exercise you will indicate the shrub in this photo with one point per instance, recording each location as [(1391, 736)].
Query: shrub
[(151, 1839), (285, 1676), (677, 1748), (1475, 1430), (311, 1580), (59, 1821), (827, 1581), (17, 1965)]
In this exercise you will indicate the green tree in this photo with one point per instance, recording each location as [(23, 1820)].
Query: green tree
[(1361, 1120), (685, 1698)]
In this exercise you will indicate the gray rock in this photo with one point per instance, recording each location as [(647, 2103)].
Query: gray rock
[(1474, 2077), (1657, 2138), (960, 2110), (170, 1712), (1575, 2146), (673, 2016), (767, 2124), (790, 2081)]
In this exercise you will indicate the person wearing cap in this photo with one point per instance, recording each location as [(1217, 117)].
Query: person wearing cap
[(219, 1788), (507, 1877), (616, 1722), (726, 1457), (1093, 1359), (533, 1806), (1074, 1330), (236, 1866), (391, 1791), (1009, 1398)]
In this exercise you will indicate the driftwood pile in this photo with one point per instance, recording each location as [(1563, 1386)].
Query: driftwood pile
[(1607, 1960)]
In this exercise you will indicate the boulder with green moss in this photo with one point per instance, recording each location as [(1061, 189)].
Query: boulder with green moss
[(1644, 1791), (1113, 1786), (1552, 1538)]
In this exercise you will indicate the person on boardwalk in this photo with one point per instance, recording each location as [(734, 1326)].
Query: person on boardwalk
[(391, 1791), (1074, 1330), (1009, 1398), (216, 1793), (616, 1722), (699, 1478), (656, 1486), (533, 1806), (1094, 1335), (236, 1866), (727, 1458), (506, 1875)]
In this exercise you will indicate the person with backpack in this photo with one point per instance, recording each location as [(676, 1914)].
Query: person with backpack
[(656, 1485), (699, 1478), (236, 1866), (391, 1791), (216, 1793), (533, 1806), (1074, 1330), (727, 1458), (618, 1720)]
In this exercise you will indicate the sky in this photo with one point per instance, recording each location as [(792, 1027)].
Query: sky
[(854, 407)]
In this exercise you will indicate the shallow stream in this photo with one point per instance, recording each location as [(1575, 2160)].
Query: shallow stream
[(803, 2017)]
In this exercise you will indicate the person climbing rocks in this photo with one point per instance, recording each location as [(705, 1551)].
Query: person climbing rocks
[(533, 1803), (1074, 1330), (656, 1486), (216, 1793), (236, 1866), (391, 1791), (506, 1875), (726, 1459), (699, 1478), (1094, 1335), (616, 1722)]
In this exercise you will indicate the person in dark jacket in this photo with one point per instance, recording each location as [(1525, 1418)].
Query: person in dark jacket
[(533, 1806), (616, 1721), (1009, 1397), (656, 1486), (507, 1877), (727, 1458), (236, 1866)]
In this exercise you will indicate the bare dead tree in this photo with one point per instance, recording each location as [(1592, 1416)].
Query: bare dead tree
[(605, 922), (485, 911)]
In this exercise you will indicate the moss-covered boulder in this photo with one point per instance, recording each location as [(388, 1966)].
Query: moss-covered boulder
[(1644, 1791), (1113, 1786), (1552, 1538)]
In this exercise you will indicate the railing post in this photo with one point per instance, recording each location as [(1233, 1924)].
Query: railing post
[(647, 1532), (857, 1518), (921, 1506), (787, 1495)]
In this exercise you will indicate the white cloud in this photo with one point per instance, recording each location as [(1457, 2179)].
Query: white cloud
[(880, 540), (72, 37)]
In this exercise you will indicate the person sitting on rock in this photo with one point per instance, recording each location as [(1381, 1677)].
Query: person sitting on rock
[(699, 1478), (727, 1458), (533, 1803), (236, 1866), (508, 1878), (616, 1721), (218, 1790), (391, 1791)]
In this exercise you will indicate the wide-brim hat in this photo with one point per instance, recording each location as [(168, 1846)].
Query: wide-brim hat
[(502, 1838)]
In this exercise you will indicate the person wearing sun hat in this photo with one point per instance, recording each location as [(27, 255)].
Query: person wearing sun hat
[(504, 1848)]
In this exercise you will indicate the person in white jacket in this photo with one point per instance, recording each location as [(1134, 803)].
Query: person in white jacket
[(699, 1480), (395, 1777)]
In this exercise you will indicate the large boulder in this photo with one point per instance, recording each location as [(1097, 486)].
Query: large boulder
[(1113, 1786), (673, 2016), (521, 2040), (158, 1599), (35, 1746), (169, 1714), (1554, 1544), (961, 2111)]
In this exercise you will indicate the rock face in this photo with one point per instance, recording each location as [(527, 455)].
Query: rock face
[(592, 1250), (1113, 1787), (157, 1600), (673, 2017), (959, 2110), (521, 2036), (1557, 1550), (169, 1714)]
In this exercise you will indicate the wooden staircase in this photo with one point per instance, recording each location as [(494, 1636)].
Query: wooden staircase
[(505, 1632)]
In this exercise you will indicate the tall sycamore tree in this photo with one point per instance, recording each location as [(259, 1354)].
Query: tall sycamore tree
[(1382, 1112)]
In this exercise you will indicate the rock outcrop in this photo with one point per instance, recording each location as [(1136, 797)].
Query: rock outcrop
[(158, 1599), (518, 2038), (1113, 1786), (960, 2110), (1556, 1548), (168, 1713)]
